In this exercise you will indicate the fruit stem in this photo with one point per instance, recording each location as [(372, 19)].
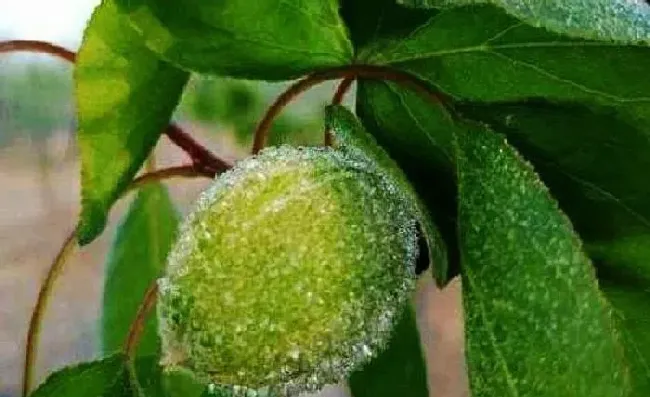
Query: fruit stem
[(339, 95), (45, 291), (39, 47), (373, 72)]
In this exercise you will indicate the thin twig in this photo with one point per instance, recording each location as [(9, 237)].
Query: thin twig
[(39, 47), (135, 330), (41, 303), (35, 322), (372, 72), (202, 158), (339, 95)]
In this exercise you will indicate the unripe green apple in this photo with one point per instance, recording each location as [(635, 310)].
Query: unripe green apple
[(289, 273)]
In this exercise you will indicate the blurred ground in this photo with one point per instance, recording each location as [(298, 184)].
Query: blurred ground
[(38, 209)]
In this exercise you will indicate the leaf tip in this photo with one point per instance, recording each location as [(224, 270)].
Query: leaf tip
[(91, 223)]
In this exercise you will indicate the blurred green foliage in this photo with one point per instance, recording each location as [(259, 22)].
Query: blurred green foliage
[(35, 100), (238, 105)]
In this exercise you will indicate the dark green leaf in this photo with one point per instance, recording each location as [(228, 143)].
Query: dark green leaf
[(595, 164), (417, 135), (631, 301), (107, 377), (350, 135), (262, 39), (125, 97), (400, 370), (136, 259), (481, 53), (368, 20), (627, 21), (536, 322)]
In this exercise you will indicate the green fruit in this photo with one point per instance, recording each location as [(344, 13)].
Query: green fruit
[(290, 272)]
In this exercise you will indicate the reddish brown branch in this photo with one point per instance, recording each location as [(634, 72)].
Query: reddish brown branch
[(339, 95), (135, 331), (42, 47), (204, 161), (34, 328), (353, 71)]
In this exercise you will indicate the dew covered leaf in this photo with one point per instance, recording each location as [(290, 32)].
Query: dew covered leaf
[(350, 135), (136, 259), (262, 39), (631, 301), (480, 53), (594, 163), (619, 20), (125, 96), (569, 144), (536, 322), (417, 135), (400, 370)]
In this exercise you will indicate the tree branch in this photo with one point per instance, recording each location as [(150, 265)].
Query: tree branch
[(37, 46), (203, 160)]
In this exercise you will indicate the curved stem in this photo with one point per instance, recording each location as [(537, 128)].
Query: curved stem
[(35, 322), (44, 293), (39, 47), (372, 72), (339, 95), (135, 330)]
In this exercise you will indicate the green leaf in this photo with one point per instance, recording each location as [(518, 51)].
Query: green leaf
[(620, 20), (368, 20), (480, 53), (594, 162), (136, 259), (351, 136), (109, 376), (106, 377), (400, 370), (631, 301), (262, 39), (125, 96), (417, 135), (536, 322)]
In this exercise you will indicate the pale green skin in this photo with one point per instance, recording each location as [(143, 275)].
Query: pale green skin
[(289, 273)]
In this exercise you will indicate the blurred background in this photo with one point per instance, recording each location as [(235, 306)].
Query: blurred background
[(39, 193)]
